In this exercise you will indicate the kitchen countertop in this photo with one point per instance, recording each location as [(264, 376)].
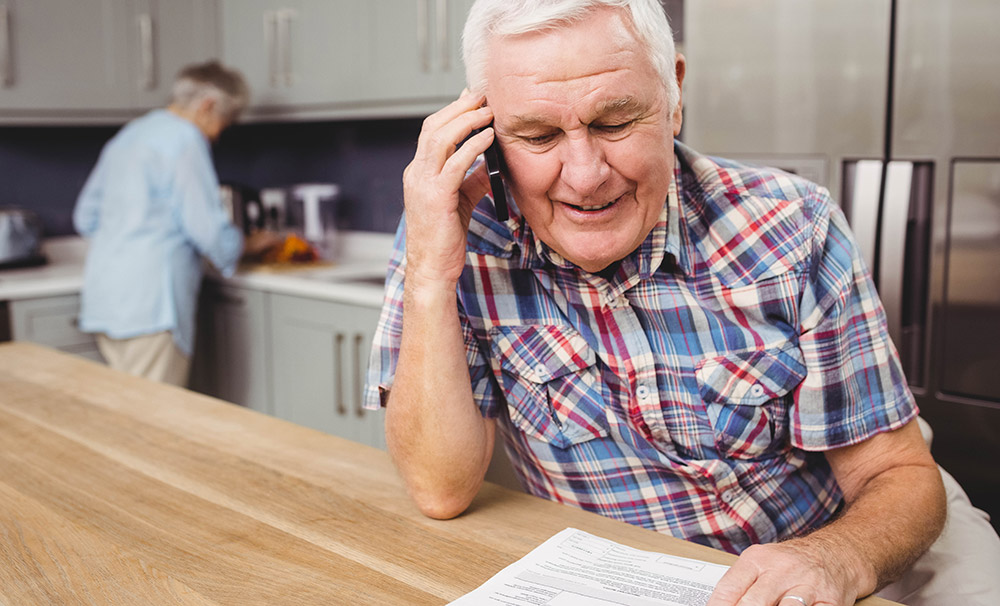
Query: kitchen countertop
[(63, 274), (118, 490), (354, 278)]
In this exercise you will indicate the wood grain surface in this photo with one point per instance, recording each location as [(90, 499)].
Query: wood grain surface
[(116, 490)]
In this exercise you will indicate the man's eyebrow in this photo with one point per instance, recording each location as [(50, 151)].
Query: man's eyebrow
[(621, 105), (527, 121)]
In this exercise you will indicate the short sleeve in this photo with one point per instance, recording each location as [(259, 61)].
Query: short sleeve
[(385, 346), (854, 386)]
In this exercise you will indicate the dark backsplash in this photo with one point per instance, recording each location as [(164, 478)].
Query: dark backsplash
[(43, 168)]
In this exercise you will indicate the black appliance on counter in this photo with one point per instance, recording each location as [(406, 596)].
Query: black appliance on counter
[(20, 238), (243, 205)]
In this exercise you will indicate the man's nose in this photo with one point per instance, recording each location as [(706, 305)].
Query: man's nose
[(584, 167)]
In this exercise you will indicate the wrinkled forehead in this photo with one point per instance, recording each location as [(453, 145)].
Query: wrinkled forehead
[(595, 66)]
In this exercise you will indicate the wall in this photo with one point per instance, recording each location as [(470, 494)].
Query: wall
[(43, 168)]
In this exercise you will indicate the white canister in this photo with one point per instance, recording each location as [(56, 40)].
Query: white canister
[(319, 216)]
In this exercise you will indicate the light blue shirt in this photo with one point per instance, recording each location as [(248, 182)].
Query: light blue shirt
[(151, 209)]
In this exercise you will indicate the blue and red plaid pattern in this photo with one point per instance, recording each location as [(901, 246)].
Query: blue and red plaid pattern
[(693, 391)]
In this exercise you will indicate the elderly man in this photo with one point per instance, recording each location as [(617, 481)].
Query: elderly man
[(151, 209), (668, 339)]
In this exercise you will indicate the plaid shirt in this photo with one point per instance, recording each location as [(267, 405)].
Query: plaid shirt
[(693, 391)]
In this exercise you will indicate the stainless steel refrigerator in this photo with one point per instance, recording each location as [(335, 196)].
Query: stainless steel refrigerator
[(894, 105)]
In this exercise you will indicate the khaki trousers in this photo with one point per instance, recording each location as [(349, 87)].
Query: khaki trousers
[(152, 356)]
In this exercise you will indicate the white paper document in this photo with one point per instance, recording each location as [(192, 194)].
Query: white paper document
[(576, 568)]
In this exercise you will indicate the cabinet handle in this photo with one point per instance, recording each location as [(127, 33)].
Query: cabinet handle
[(359, 379), (424, 33), (271, 43), (227, 299), (338, 373), (6, 61), (442, 34), (285, 17), (147, 52)]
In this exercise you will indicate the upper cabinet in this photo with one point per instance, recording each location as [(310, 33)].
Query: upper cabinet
[(85, 61), (94, 60), (414, 50), (343, 58), (163, 37), (290, 51)]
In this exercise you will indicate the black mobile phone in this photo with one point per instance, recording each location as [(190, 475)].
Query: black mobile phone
[(494, 167)]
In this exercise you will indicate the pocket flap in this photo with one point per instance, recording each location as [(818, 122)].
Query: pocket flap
[(751, 378), (541, 353)]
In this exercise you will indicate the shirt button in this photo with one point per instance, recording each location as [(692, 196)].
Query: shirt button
[(757, 390), (728, 496), (643, 392), (542, 372)]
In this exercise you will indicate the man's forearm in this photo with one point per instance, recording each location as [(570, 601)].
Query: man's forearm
[(895, 510), (438, 439), (888, 524)]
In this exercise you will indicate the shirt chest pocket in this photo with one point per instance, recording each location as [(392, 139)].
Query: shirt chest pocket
[(748, 396), (551, 383)]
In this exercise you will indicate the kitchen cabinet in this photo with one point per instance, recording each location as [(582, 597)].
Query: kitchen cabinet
[(320, 356), (52, 321), (90, 59), (414, 50), (295, 54), (232, 353), (165, 36), (340, 58)]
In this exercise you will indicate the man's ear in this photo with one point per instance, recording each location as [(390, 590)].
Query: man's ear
[(680, 68)]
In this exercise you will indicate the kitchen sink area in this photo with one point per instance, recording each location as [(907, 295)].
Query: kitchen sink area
[(356, 276)]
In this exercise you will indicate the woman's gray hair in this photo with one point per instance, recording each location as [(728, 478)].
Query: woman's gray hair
[(494, 18), (212, 80)]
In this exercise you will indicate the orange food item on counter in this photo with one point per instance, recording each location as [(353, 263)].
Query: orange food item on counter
[(293, 250)]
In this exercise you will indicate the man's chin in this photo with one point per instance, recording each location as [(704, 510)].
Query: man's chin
[(594, 261)]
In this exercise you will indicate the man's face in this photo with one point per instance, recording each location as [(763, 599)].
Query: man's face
[(582, 118)]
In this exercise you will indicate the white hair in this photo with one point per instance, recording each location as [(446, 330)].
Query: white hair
[(211, 80), (495, 18)]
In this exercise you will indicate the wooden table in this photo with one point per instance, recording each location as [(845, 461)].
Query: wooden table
[(116, 490)]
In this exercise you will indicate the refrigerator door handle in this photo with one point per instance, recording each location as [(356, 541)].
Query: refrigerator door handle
[(896, 209), (862, 193)]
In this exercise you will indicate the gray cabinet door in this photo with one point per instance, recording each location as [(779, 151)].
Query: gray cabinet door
[(232, 356), (56, 54), (295, 54), (162, 37), (327, 58), (320, 355), (97, 59), (414, 49), (52, 321)]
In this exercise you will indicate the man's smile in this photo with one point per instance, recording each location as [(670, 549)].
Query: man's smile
[(591, 208)]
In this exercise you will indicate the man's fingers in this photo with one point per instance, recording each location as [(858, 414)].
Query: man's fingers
[(476, 186), (733, 584), (799, 595), (443, 132), (466, 102), (780, 592), (459, 162)]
